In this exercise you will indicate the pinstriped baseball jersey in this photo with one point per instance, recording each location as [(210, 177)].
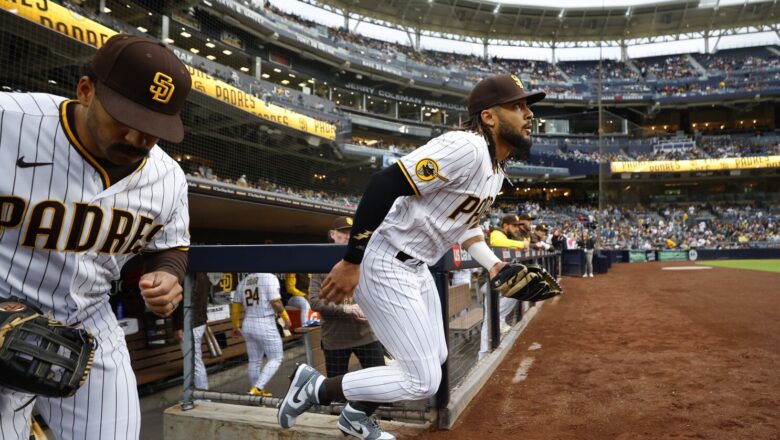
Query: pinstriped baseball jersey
[(66, 230), (256, 291), (455, 183)]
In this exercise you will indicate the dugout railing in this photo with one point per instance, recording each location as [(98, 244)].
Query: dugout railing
[(320, 258)]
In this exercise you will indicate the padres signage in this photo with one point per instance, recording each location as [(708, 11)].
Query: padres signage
[(66, 22), (673, 166)]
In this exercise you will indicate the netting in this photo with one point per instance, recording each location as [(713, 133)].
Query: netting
[(241, 130)]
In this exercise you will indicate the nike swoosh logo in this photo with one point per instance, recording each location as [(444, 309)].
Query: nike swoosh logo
[(296, 402), (357, 429), (22, 164)]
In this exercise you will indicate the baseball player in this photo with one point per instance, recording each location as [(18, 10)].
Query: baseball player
[(296, 286), (259, 293), (84, 188), (410, 215), (503, 237), (199, 323), (345, 329)]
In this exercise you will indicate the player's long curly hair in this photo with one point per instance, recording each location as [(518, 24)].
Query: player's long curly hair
[(477, 125)]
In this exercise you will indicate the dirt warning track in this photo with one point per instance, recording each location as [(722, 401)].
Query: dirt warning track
[(641, 353)]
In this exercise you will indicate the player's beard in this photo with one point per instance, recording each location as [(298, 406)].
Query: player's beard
[(514, 137), (127, 149)]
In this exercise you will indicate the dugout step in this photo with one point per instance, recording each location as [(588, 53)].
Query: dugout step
[(222, 421)]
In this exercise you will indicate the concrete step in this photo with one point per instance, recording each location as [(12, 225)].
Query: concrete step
[(220, 421)]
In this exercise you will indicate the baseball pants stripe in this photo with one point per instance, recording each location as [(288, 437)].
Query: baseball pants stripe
[(262, 339), (397, 297)]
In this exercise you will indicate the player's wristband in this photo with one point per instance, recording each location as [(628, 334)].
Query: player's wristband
[(483, 254), (284, 315)]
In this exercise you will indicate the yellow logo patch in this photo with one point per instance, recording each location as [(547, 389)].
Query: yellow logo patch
[(162, 90), (518, 82), (363, 235), (349, 221), (226, 283), (427, 170)]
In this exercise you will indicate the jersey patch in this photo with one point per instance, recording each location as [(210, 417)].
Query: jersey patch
[(427, 170)]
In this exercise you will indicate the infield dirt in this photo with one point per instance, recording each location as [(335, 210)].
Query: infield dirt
[(641, 353)]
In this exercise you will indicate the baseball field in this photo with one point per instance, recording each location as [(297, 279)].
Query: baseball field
[(764, 265), (642, 353)]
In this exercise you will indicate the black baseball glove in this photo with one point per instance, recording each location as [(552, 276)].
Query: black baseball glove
[(39, 355), (525, 282)]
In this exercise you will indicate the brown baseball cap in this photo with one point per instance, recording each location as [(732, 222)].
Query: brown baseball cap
[(340, 223), (143, 85), (510, 219), (500, 89)]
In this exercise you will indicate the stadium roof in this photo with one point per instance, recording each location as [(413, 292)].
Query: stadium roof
[(481, 19)]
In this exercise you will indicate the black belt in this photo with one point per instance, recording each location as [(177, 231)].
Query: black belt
[(403, 257)]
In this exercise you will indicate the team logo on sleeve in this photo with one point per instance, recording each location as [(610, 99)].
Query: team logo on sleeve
[(162, 90), (427, 170)]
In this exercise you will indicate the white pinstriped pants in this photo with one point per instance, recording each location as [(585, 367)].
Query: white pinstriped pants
[(262, 339), (104, 408), (199, 369), (403, 308)]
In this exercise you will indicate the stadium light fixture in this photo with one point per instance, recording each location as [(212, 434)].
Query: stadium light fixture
[(562, 14), (498, 8), (265, 75), (277, 70), (107, 10), (168, 40), (185, 34), (211, 57), (210, 45), (285, 82), (142, 29), (194, 50), (227, 52), (245, 69)]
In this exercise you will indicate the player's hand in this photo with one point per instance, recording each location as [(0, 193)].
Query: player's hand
[(496, 268), (287, 324), (340, 282), (161, 292), (237, 332), (178, 335), (354, 310)]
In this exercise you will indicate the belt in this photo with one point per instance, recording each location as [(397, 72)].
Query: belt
[(403, 257)]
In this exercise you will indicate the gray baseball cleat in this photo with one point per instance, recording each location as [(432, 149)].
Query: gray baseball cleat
[(301, 395), (358, 424)]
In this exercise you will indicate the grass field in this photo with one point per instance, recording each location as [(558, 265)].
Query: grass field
[(762, 265)]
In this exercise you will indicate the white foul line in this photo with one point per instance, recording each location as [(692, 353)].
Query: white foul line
[(522, 370)]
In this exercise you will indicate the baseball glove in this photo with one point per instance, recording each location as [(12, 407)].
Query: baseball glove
[(39, 355), (525, 282)]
